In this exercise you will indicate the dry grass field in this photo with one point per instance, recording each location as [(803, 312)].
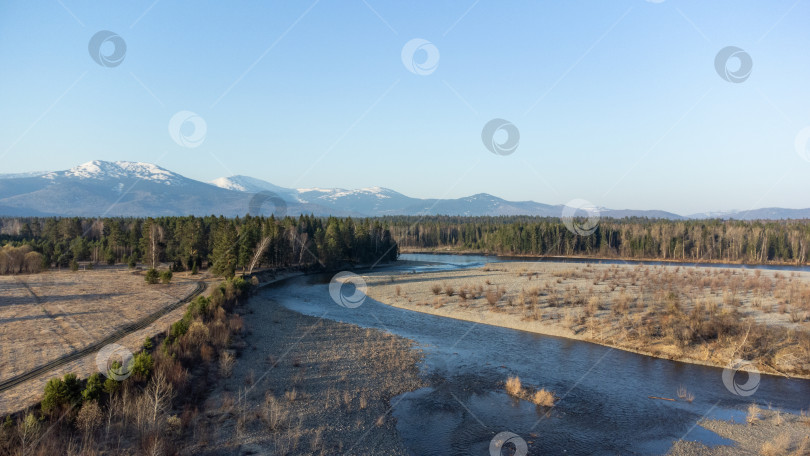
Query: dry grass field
[(705, 315), (47, 315)]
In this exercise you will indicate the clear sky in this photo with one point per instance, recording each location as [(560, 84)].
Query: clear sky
[(617, 102)]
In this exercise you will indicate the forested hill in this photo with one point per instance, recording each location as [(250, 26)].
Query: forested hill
[(634, 238), (226, 244)]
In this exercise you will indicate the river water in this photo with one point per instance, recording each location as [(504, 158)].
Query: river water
[(605, 405)]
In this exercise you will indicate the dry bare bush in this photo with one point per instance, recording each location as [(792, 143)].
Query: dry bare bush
[(513, 387), (777, 447), (449, 290), (684, 394), (438, 302), (90, 418), (273, 412), (226, 362), (753, 414), (463, 293), (436, 289), (543, 398)]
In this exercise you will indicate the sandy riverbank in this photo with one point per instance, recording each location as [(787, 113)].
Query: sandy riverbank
[(708, 316), (771, 434), (305, 385)]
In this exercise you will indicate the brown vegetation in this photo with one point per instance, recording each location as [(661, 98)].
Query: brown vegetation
[(139, 412), (706, 315), (541, 397)]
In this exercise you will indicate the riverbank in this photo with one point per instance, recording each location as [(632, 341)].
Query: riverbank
[(769, 433), (597, 258), (708, 316), (306, 385)]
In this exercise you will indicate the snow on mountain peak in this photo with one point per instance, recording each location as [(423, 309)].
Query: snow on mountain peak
[(99, 169)]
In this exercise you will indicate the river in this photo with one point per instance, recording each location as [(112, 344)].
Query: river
[(604, 407)]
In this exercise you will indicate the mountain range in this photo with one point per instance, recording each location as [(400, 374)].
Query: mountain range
[(123, 188)]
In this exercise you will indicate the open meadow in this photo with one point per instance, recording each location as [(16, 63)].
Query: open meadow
[(51, 314)]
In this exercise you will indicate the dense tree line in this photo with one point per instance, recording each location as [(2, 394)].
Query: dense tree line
[(225, 244), (682, 240)]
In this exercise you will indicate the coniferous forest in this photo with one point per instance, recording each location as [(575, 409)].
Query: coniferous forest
[(231, 245), (632, 238), (225, 245)]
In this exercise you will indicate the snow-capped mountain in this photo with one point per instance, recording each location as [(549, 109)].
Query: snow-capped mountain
[(252, 185), (117, 171), (123, 188), (115, 188)]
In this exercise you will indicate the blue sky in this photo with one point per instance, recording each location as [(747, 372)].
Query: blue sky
[(617, 102)]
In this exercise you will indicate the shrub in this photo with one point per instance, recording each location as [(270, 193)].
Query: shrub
[(152, 276), (753, 414), (166, 276), (90, 417), (74, 265), (59, 393), (778, 446), (513, 386), (147, 343), (110, 385), (179, 328), (132, 263), (436, 289), (543, 398), (94, 388), (194, 269), (142, 365), (226, 363)]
